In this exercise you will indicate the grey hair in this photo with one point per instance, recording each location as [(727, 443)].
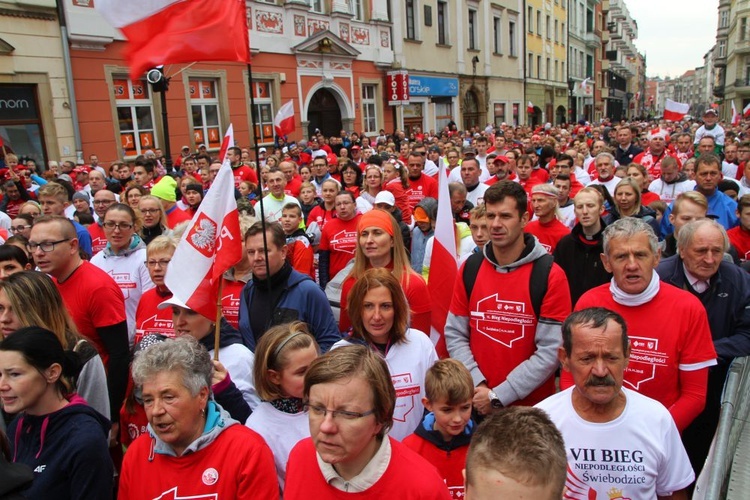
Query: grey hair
[(685, 236), (606, 155), (549, 189), (183, 354), (629, 227)]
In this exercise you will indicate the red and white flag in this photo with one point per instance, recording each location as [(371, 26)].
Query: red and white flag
[(585, 84), (675, 111), (283, 124), (178, 31), (530, 107), (735, 116), (210, 245), (746, 111), (443, 264)]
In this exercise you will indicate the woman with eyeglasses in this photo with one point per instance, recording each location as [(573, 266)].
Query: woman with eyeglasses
[(133, 194), (352, 404), (21, 225), (149, 319), (154, 218), (373, 184), (379, 314), (124, 258)]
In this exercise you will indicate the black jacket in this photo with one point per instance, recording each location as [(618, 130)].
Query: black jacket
[(581, 261), (626, 156)]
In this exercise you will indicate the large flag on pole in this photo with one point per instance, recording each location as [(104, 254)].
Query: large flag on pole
[(443, 264), (530, 108), (675, 111), (746, 111), (178, 31), (284, 121), (736, 117), (210, 245)]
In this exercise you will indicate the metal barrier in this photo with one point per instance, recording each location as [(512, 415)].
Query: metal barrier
[(727, 475)]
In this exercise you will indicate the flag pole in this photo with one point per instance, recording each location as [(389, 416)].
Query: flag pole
[(217, 325), (257, 156)]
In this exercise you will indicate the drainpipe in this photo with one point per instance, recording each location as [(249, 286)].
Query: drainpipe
[(69, 81), (523, 63)]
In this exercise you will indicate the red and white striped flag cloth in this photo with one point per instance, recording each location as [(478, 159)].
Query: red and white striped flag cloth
[(746, 111), (530, 107), (440, 284), (178, 31), (735, 116), (675, 111), (284, 121), (585, 84), (210, 245)]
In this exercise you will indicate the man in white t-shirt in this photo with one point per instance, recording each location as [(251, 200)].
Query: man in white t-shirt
[(605, 168), (619, 443)]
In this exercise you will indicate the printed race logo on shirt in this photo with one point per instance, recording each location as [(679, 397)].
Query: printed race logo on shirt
[(172, 495), (344, 241), (502, 321), (406, 391), (203, 235), (644, 358)]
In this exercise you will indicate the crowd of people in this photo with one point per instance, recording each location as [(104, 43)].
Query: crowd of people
[(602, 293)]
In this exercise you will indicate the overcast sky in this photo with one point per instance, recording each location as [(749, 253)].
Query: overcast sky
[(674, 34)]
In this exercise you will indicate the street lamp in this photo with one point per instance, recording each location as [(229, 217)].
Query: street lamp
[(160, 83), (572, 110)]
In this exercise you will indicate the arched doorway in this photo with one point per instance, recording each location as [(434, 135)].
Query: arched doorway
[(471, 110), (560, 115), (324, 113)]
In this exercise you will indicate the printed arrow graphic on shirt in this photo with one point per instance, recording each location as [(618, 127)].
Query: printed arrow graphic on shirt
[(172, 495), (344, 237)]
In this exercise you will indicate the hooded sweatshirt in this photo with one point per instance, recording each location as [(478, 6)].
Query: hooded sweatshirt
[(67, 450)]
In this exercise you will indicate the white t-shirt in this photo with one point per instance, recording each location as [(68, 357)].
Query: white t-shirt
[(669, 192), (282, 431), (476, 197), (610, 184), (639, 454), (239, 361), (408, 363)]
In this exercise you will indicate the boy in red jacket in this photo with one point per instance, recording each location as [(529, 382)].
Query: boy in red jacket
[(443, 436)]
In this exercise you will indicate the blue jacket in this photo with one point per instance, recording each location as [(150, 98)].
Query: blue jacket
[(84, 238), (726, 302), (67, 450), (720, 206), (303, 300)]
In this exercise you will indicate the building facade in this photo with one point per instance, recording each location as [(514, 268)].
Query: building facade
[(737, 56), (36, 118), (622, 57), (584, 48)]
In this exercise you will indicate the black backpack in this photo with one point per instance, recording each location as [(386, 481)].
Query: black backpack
[(537, 283)]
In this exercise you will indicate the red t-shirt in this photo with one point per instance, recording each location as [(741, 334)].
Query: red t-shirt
[(13, 207), (98, 239), (667, 334), (502, 321), (321, 216), (548, 234), (292, 187), (93, 300), (149, 319), (417, 296), (244, 173), (230, 301), (300, 255), (421, 188), (402, 198), (238, 464), (740, 240), (339, 237)]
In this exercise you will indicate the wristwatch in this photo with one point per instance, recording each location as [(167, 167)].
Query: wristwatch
[(494, 400)]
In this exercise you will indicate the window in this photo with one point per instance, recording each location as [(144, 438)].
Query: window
[(442, 22), (722, 48), (472, 29), (562, 38), (497, 33), (747, 74), (548, 28), (443, 114), (135, 115), (411, 20), (539, 67), (539, 23), (516, 114), (589, 66), (369, 108), (355, 7), (530, 66), (589, 21), (263, 113), (316, 6), (557, 25), (743, 28), (530, 20), (723, 19), (512, 38), (499, 113), (548, 68), (557, 65), (204, 104)]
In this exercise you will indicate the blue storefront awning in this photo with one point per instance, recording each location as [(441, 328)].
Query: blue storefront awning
[(432, 86)]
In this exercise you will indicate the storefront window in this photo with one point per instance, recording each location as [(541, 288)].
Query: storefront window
[(204, 103), (263, 113), (135, 116), (21, 130), (443, 115), (499, 113)]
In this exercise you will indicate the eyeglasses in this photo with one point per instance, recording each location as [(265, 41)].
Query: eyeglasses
[(161, 263), (122, 226), (46, 246), (150, 210), (22, 227), (320, 412)]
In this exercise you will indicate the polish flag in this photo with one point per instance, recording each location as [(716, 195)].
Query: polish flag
[(735, 116), (585, 84), (530, 107), (210, 245), (178, 31), (283, 124), (746, 111), (675, 111), (440, 284)]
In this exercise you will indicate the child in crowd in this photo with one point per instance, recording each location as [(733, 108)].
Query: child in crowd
[(307, 199), (282, 357), (299, 251), (444, 435)]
